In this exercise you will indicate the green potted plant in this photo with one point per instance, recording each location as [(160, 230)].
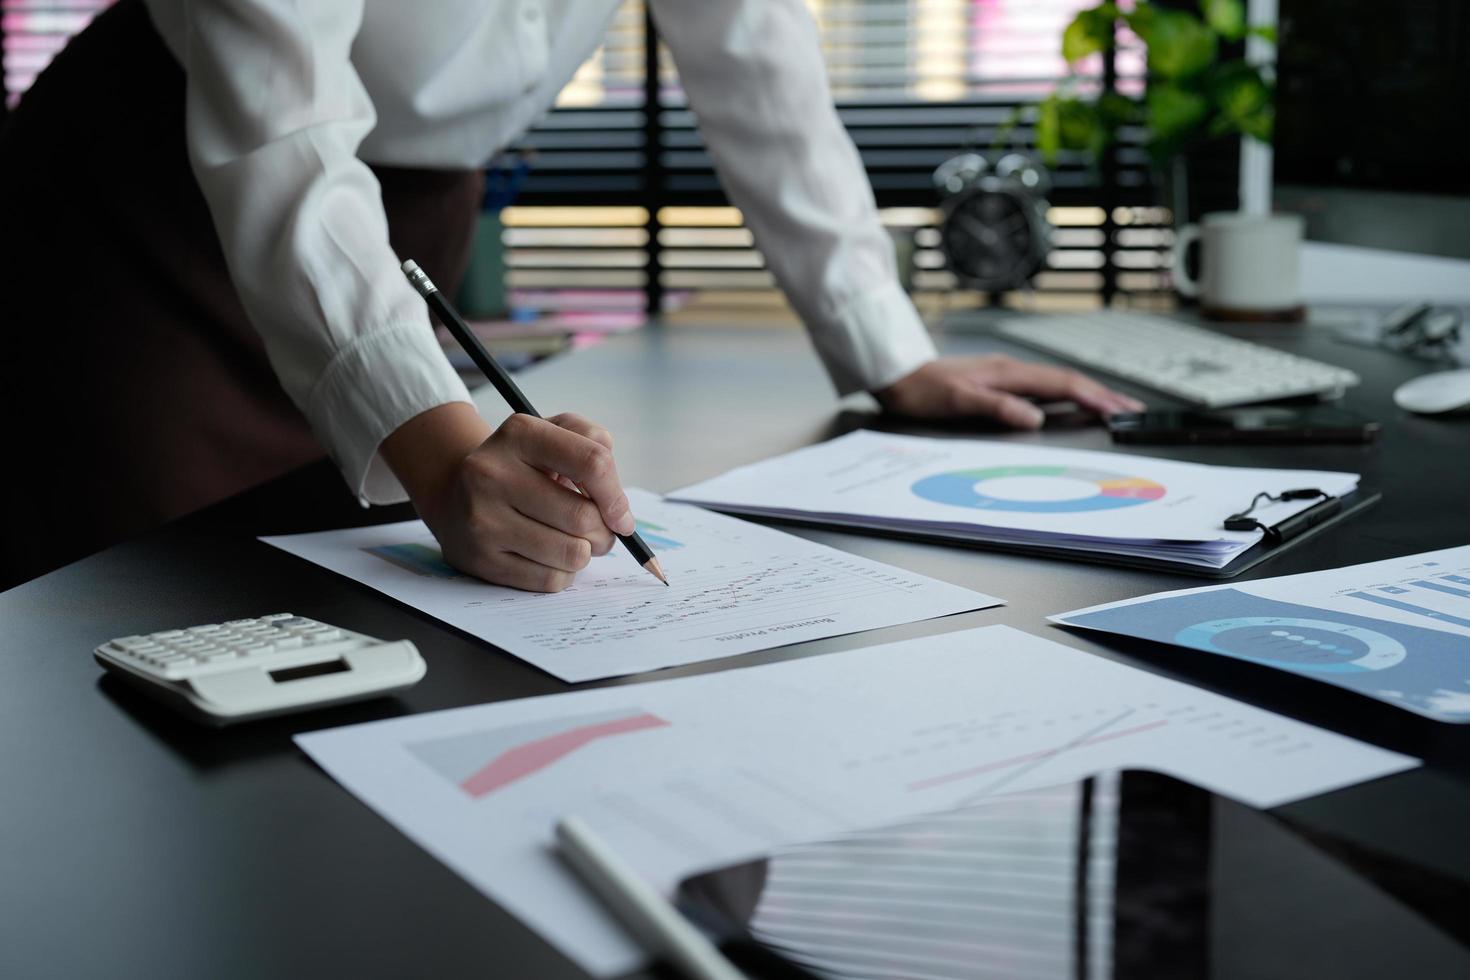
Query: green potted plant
[(1191, 93)]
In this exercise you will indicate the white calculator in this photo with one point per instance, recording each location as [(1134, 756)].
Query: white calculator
[(250, 668)]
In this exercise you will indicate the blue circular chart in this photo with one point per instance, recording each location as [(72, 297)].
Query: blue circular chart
[(965, 488), (1310, 644)]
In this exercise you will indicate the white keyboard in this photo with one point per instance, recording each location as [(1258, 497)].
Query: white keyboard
[(1195, 365), (250, 668)]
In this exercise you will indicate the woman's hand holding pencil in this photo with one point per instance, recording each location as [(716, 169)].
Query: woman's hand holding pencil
[(527, 505), (507, 509)]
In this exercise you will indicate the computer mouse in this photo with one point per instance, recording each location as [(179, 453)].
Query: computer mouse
[(1442, 391)]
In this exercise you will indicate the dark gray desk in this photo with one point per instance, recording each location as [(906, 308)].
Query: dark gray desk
[(132, 843)]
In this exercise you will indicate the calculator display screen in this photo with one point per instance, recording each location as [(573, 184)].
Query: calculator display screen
[(310, 670)]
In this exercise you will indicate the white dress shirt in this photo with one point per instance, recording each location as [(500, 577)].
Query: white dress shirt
[(287, 98)]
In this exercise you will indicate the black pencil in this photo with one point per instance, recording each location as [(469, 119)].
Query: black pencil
[(508, 389)]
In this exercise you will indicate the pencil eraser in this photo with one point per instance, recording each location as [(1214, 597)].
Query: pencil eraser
[(409, 265)]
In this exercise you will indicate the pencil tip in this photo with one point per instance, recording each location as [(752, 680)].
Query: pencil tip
[(656, 570)]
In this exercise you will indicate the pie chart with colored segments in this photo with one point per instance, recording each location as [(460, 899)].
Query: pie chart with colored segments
[(1038, 489), (1296, 642)]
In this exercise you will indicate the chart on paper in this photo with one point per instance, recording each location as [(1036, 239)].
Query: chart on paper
[(1397, 630), (1441, 598), (946, 762), (481, 763), (1038, 489), (989, 492), (425, 558), (724, 602), (1213, 727), (734, 587), (695, 772)]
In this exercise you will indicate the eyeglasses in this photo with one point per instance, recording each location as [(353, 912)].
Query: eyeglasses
[(1422, 330)]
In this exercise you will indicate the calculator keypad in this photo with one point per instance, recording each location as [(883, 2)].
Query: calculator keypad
[(268, 641)]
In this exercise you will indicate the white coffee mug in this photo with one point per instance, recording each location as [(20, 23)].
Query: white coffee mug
[(1249, 264)]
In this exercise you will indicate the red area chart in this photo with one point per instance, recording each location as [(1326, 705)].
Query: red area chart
[(480, 763)]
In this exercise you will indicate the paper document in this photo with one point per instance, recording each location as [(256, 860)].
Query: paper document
[(1396, 630), (691, 773), (734, 587), (1004, 493)]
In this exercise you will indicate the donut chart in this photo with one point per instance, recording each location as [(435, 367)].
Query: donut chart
[(1303, 644), (964, 488)]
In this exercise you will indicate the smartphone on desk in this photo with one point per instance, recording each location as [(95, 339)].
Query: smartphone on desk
[(1261, 424)]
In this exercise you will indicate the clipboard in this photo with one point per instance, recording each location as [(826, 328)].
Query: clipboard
[(1330, 512)]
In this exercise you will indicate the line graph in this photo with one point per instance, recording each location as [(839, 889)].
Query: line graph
[(719, 601), (1040, 755), (736, 587), (983, 753)]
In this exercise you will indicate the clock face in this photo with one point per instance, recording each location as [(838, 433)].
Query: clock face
[(991, 240)]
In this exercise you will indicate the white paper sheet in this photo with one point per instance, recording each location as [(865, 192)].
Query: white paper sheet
[(734, 587), (686, 774), (1003, 492), (1395, 630)]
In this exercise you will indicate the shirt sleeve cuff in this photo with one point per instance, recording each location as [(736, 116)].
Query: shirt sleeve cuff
[(373, 386), (876, 338)]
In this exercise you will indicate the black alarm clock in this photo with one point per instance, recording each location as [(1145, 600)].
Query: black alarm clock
[(994, 233)]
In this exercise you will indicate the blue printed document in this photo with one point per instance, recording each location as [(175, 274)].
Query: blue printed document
[(1396, 630)]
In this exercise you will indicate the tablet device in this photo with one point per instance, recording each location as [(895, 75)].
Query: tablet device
[(1126, 874)]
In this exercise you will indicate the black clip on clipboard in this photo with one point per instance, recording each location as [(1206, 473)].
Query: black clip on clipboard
[(1327, 512), (1294, 526), (1294, 530)]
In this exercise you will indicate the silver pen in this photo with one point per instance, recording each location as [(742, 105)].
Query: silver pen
[(655, 923)]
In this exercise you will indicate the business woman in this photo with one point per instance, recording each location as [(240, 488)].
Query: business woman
[(204, 204)]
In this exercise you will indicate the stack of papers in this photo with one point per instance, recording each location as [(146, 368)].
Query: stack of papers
[(1007, 494)]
